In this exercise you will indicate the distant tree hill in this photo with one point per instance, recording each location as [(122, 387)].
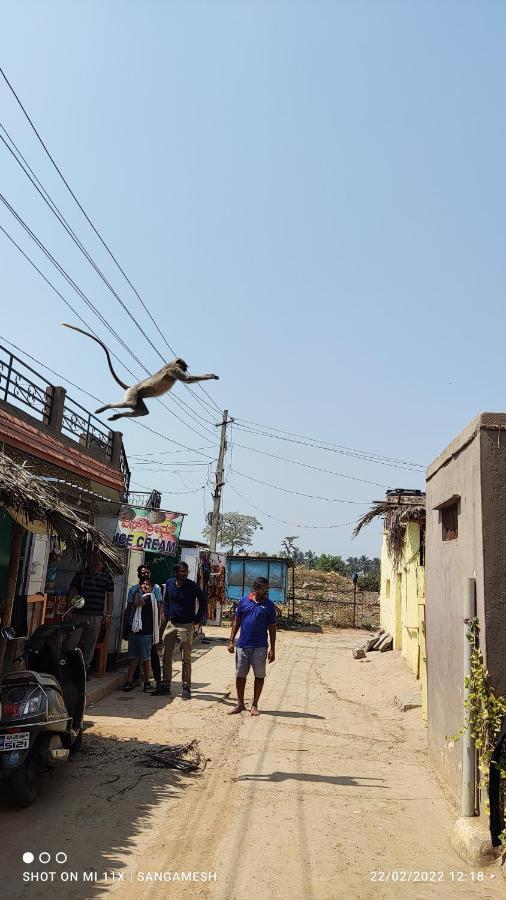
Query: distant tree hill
[(368, 570), (236, 533)]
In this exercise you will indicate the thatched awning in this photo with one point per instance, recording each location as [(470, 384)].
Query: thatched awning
[(34, 500), (396, 513)]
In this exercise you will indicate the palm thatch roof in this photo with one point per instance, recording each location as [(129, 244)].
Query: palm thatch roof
[(397, 512), (34, 500)]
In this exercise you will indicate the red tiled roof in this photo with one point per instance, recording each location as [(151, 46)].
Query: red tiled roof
[(39, 443)]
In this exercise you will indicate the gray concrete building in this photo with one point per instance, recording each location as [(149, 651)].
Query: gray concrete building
[(465, 538)]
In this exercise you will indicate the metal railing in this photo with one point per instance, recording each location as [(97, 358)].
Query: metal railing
[(22, 386), (79, 423), (144, 499)]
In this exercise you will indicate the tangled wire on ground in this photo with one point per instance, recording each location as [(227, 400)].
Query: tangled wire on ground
[(184, 757)]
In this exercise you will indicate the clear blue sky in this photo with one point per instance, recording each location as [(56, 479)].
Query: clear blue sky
[(310, 196)]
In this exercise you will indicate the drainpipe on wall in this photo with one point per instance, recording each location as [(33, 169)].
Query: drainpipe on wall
[(468, 748)]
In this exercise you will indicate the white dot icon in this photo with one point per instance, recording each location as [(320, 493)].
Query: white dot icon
[(28, 857), (61, 857)]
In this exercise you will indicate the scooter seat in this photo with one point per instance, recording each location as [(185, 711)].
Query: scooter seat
[(41, 678)]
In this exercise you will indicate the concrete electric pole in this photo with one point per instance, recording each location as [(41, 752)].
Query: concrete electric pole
[(215, 520)]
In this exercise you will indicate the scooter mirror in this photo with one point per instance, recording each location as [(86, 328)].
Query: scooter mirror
[(78, 602), (8, 633)]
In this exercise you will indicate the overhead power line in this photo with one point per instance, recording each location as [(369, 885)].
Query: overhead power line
[(85, 298), (188, 409), (97, 233), (283, 521), (88, 394), (63, 221), (366, 455), (300, 493), (297, 462)]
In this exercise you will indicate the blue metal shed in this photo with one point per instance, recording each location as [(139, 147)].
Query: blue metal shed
[(243, 570)]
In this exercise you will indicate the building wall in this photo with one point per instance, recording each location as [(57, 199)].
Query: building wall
[(448, 564), (388, 595), (493, 498), (402, 591), (413, 594)]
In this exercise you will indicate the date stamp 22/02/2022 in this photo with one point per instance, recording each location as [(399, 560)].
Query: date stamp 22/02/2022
[(421, 876)]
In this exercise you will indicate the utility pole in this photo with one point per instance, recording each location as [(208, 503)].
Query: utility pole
[(213, 537)]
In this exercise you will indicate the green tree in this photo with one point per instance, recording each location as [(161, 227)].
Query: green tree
[(310, 559), (235, 532), (329, 563), (288, 547), (369, 582)]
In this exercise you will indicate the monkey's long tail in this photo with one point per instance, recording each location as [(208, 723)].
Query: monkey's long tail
[(104, 348)]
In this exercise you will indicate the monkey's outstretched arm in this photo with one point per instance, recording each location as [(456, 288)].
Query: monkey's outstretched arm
[(191, 379), (104, 348)]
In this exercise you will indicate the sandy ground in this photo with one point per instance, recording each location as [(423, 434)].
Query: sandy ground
[(327, 789)]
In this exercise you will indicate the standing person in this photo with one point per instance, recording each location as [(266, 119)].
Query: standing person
[(143, 622), (97, 587), (180, 608), (144, 573), (255, 615)]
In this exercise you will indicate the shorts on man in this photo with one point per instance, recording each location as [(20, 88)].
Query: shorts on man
[(250, 657)]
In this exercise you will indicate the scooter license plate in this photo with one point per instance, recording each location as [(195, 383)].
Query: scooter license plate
[(18, 741)]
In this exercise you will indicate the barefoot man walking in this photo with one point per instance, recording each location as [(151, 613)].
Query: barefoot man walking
[(255, 615)]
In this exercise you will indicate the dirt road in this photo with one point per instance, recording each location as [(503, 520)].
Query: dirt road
[(325, 790)]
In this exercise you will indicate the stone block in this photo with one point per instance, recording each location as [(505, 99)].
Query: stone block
[(471, 840), (359, 653), (386, 643)]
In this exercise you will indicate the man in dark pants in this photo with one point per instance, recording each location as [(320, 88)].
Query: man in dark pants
[(97, 588), (180, 607), (255, 616)]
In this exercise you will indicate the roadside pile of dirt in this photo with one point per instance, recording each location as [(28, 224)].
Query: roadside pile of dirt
[(328, 598)]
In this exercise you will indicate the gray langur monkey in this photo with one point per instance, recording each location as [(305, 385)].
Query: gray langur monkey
[(154, 386)]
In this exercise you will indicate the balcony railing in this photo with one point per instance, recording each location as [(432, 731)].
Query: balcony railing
[(22, 386), (145, 500)]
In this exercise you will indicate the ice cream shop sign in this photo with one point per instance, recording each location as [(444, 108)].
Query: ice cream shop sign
[(148, 529)]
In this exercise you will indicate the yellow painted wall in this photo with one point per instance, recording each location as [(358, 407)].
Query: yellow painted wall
[(402, 604)]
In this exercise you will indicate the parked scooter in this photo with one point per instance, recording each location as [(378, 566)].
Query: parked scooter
[(42, 708)]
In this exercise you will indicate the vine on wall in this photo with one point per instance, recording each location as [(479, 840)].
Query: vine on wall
[(484, 712)]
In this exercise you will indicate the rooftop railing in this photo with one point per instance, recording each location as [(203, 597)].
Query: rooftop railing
[(23, 387)]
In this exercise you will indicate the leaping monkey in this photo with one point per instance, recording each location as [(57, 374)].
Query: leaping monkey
[(154, 386)]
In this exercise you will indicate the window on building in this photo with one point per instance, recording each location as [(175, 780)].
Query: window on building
[(387, 588), (450, 522)]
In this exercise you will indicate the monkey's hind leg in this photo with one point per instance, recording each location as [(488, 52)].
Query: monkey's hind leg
[(140, 409), (121, 405)]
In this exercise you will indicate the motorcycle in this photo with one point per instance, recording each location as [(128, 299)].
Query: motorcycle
[(42, 708)]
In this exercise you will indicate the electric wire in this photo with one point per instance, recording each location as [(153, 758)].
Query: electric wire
[(335, 448), (283, 521), (300, 493), (86, 299), (297, 462), (101, 239), (135, 422), (63, 221)]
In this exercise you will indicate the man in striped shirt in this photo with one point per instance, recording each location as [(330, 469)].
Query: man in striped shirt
[(97, 587)]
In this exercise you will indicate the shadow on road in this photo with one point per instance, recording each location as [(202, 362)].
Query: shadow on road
[(290, 714), (92, 809), (277, 777)]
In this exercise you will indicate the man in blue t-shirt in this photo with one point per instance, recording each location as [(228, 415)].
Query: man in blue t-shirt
[(255, 616)]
